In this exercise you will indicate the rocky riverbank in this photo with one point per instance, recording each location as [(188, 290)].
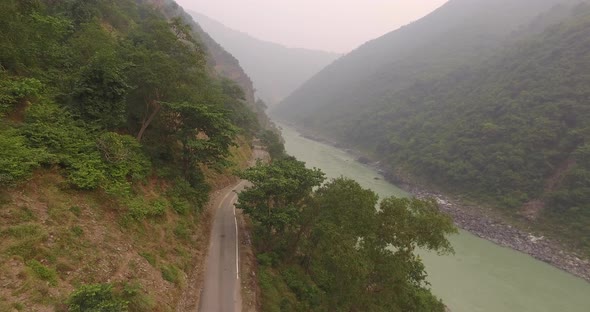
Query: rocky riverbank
[(476, 221)]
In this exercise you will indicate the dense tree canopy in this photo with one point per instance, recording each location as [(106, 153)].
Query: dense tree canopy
[(335, 246), (73, 71)]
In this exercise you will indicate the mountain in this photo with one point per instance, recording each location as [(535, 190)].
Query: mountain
[(221, 61), (117, 120), (276, 70), (460, 31), (483, 99)]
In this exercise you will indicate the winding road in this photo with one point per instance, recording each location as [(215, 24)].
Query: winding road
[(221, 288), (221, 291)]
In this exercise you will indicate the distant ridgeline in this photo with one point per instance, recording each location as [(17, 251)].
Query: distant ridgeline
[(275, 69), (484, 98)]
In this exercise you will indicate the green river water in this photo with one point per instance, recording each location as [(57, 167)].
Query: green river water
[(481, 276)]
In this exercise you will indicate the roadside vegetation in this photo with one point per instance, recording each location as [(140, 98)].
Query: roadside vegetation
[(334, 246)]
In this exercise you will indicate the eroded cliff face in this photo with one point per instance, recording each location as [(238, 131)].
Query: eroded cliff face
[(222, 62)]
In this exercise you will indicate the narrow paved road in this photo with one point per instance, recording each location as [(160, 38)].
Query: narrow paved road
[(221, 291), (221, 288)]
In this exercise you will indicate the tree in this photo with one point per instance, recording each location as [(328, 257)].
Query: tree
[(357, 256), (275, 198), (100, 91)]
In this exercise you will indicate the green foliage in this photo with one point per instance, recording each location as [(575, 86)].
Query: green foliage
[(277, 191), (235, 102), (125, 161), (99, 94), (107, 93), (17, 160), (138, 300), (77, 230), (185, 198), (69, 143), (16, 90), (302, 286), (140, 208), (24, 231), (171, 273), (151, 259), (96, 298), (76, 210), (123, 68), (43, 272), (334, 249), (273, 142), (182, 230)]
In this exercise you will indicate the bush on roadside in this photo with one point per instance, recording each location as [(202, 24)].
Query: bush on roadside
[(96, 298)]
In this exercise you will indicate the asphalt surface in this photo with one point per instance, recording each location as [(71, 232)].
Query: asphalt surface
[(221, 289)]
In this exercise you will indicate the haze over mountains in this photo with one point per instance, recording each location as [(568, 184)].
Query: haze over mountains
[(276, 70), (482, 98)]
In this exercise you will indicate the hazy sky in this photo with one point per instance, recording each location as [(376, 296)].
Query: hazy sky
[(331, 25)]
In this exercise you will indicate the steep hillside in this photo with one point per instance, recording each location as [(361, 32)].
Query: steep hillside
[(114, 129), (458, 32), (510, 130), (222, 61), (513, 130), (275, 69), (225, 65)]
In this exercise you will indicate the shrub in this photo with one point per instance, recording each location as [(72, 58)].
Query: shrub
[(43, 272), (17, 160), (268, 259), (301, 285), (76, 210), (96, 298), (69, 143), (158, 207), (24, 231), (151, 259), (138, 300), (78, 231), (171, 273), (13, 91), (182, 230), (123, 155), (183, 196), (140, 209)]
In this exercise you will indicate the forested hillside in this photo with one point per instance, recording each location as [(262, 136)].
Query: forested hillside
[(513, 130), (275, 69), (509, 129), (113, 126)]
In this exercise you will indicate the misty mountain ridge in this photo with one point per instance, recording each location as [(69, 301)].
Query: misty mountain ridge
[(276, 70), (459, 32)]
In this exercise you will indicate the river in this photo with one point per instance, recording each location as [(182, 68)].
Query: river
[(480, 276)]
